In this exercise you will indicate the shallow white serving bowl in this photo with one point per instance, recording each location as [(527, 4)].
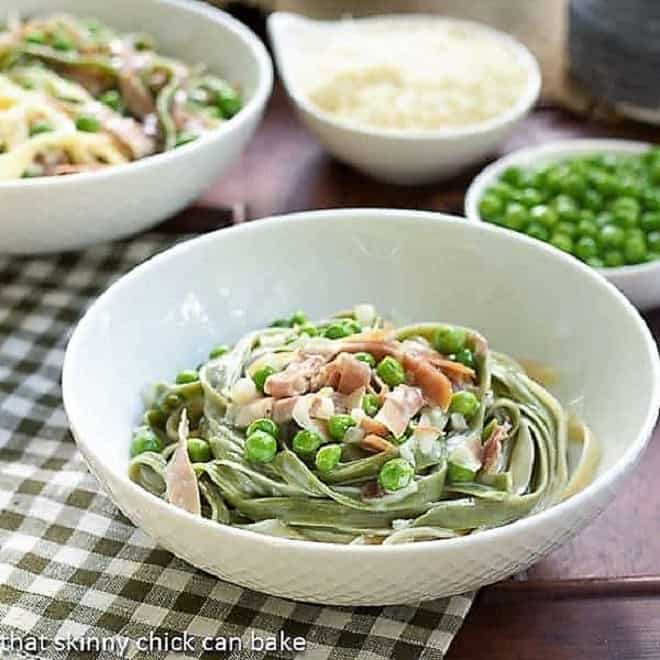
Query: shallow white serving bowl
[(396, 156), (641, 283), (60, 213), (527, 298)]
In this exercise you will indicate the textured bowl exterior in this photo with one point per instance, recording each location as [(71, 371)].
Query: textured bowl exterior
[(62, 213), (322, 574), (398, 156), (640, 284), (209, 289)]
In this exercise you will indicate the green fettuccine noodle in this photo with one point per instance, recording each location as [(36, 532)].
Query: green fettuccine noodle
[(347, 430)]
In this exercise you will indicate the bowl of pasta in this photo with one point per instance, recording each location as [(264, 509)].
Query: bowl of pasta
[(111, 119), (367, 423)]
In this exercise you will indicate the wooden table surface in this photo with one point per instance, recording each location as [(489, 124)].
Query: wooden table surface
[(598, 597)]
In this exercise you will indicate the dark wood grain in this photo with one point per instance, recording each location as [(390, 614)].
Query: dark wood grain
[(598, 597), (581, 629)]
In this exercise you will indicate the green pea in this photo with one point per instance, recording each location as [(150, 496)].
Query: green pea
[(88, 124), (219, 350), (629, 186), (396, 474), (367, 358), (338, 425), (61, 42), (391, 371), (465, 356), (259, 377), (544, 215), (187, 376), (650, 221), (653, 240), (370, 404), (553, 179), (185, 137), (626, 203), (566, 208), (228, 100), (112, 98), (613, 258), (308, 329), (298, 318), (502, 190), (604, 218), (306, 442), (449, 339), (605, 184), (515, 216), (595, 262), (562, 242), (654, 172), (342, 328), (490, 206), (514, 176), (538, 231), (636, 233), (40, 127), (611, 236), (634, 250), (530, 197), (199, 450), (567, 228), (626, 218), (586, 247), (260, 447), (573, 184), (587, 228), (327, 458), (464, 403), (35, 37), (592, 200), (586, 214), (651, 199), (266, 425), (145, 440)]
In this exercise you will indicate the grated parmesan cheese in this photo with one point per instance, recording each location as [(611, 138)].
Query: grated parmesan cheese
[(414, 74)]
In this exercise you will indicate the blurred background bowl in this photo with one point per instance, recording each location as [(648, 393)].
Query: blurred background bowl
[(640, 283), (51, 214), (396, 156)]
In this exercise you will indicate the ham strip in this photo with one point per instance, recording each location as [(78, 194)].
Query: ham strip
[(492, 450), (294, 379), (375, 443), (435, 384), (399, 407), (345, 374), (180, 479)]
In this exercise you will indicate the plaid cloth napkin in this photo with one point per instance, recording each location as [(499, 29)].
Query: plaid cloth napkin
[(77, 580)]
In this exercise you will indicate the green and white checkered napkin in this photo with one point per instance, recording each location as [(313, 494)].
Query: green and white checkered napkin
[(74, 571)]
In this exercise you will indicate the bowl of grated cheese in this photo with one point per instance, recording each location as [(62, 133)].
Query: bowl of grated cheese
[(405, 98)]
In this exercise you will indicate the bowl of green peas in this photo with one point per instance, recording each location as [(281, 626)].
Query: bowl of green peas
[(598, 200)]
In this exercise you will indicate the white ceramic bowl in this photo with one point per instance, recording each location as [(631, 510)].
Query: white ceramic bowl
[(59, 213), (396, 156), (413, 266), (641, 283)]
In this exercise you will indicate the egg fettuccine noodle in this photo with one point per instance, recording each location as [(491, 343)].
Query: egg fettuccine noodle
[(76, 96)]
